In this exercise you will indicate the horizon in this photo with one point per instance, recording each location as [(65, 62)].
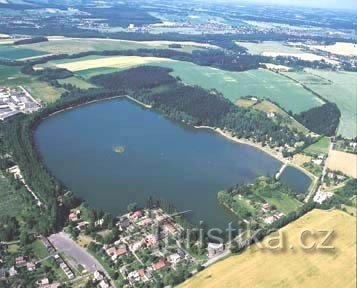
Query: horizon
[(328, 4)]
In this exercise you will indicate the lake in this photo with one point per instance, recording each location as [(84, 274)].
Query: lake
[(114, 152)]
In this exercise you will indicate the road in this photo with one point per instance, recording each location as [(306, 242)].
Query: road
[(217, 258), (63, 243)]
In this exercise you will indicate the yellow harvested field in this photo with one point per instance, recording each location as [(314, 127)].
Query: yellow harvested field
[(245, 102), (121, 62), (290, 268), (300, 159), (344, 162), (339, 48), (301, 56)]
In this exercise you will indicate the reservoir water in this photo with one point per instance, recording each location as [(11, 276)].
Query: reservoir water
[(114, 152)]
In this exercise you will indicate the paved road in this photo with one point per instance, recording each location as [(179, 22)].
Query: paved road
[(63, 243), (217, 258)]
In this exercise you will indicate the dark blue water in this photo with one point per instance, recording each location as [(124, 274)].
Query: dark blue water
[(297, 180), (180, 164)]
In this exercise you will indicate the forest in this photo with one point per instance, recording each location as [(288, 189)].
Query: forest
[(143, 77), (322, 120), (197, 106), (31, 40)]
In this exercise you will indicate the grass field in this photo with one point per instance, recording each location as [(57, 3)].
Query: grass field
[(76, 81), (43, 91), (320, 146), (233, 85), (283, 202), (337, 87), (12, 77), (14, 52), (291, 268), (60, 45), (344, 162), (11, 203)]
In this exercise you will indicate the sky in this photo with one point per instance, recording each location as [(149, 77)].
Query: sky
[(335, 4)]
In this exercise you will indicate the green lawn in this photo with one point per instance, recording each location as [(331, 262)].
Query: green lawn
[(283, 202), (320, 146), (39, 249)]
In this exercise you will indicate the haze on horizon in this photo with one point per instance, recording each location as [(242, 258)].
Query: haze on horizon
[(329, 4)]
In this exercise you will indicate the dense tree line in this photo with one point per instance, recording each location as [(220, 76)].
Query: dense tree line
[(198, 106), (47, 74), (322, 120), (31, 40), (144, 77)]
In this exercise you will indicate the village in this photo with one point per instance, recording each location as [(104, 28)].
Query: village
[(14, 101), (143, 249), (144, 246)]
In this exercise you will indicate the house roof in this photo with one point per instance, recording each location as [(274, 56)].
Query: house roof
[(159, 265)]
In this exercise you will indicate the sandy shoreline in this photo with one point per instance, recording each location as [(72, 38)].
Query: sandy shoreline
[(246, 142)]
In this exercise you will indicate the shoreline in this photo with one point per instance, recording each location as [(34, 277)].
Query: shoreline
[(244, 141), (99, 100), (275, 155)]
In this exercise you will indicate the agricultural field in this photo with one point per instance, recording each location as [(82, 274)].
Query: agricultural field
[(260, 83), (344, 162), (43, 91), (319, 147), (11, 202), (269, 46), (339, 48), (233, 85), (274, 49), (11, 76), (120, 62), (298, 267), (18, 52), (61, 45), (337, 87)]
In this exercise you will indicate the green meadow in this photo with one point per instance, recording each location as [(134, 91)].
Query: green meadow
[(320, 146)]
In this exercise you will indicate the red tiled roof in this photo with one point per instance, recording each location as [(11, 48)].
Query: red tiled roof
[(159, 265)]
